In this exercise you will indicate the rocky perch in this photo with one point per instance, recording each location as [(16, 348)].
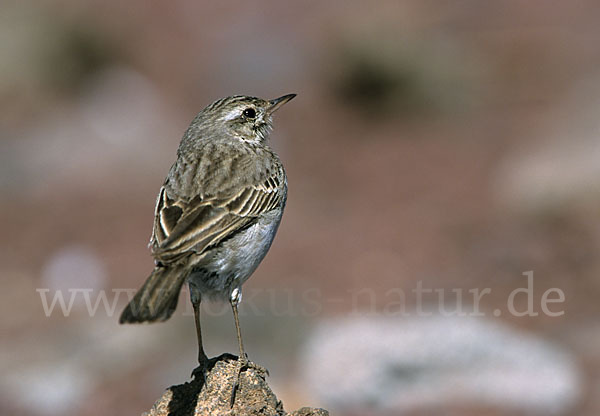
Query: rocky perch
[(213, 397)]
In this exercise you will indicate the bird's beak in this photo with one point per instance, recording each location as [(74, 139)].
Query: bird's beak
[(278, 102)]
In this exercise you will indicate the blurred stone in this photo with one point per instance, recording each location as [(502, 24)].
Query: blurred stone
[(371, 71), (563, 165), (411, 363), (74, 267), (43, 52), (122, 107), (253, 396), (47, 389), (56, 369), (95, 143)]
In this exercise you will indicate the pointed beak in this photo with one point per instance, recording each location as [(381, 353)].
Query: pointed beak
[(278, 102)]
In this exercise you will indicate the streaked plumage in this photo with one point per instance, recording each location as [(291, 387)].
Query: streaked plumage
[(217, 211)]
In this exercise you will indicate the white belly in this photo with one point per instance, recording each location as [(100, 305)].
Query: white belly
[(230, 264)]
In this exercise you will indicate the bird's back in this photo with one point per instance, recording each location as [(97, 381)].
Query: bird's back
[(212, 193)]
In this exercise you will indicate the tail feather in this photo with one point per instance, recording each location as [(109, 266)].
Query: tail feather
[(157, 298)]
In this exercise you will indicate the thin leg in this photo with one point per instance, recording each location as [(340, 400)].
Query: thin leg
[(196, 299), (202, 358), (234, 299), (243, 363), (239, 331)]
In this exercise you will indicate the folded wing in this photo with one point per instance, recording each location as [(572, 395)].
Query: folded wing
[(184, 227)]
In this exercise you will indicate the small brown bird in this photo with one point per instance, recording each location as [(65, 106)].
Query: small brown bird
[(216, 214)]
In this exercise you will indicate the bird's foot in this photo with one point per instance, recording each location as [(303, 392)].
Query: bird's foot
[(202, 370)]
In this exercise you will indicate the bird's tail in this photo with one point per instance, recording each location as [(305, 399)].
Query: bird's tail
[(157, 298)]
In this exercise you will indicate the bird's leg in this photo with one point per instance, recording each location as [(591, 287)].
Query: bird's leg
[(202, 358), (243, 363), (234, 299)]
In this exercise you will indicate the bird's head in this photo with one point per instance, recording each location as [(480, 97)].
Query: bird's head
[(246, 118)]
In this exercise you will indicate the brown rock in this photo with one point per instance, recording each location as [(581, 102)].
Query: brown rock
[(213, 397)]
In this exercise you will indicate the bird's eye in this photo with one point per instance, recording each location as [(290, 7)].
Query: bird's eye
[(250, 112)]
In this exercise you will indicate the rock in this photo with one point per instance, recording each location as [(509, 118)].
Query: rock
[(213, 397), (309, 411)]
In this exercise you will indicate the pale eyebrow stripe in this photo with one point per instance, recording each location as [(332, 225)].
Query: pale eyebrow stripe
[(235, 113)]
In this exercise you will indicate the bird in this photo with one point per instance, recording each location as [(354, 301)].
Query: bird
[(216, 213)]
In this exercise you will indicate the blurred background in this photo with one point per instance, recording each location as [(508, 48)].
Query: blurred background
[(452, 146)]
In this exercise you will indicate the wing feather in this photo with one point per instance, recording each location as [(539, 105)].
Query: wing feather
[(182, 227)]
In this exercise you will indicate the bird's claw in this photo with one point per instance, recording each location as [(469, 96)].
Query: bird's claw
[(201, 371)]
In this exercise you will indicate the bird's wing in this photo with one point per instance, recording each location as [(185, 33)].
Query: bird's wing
[(181, 227)]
